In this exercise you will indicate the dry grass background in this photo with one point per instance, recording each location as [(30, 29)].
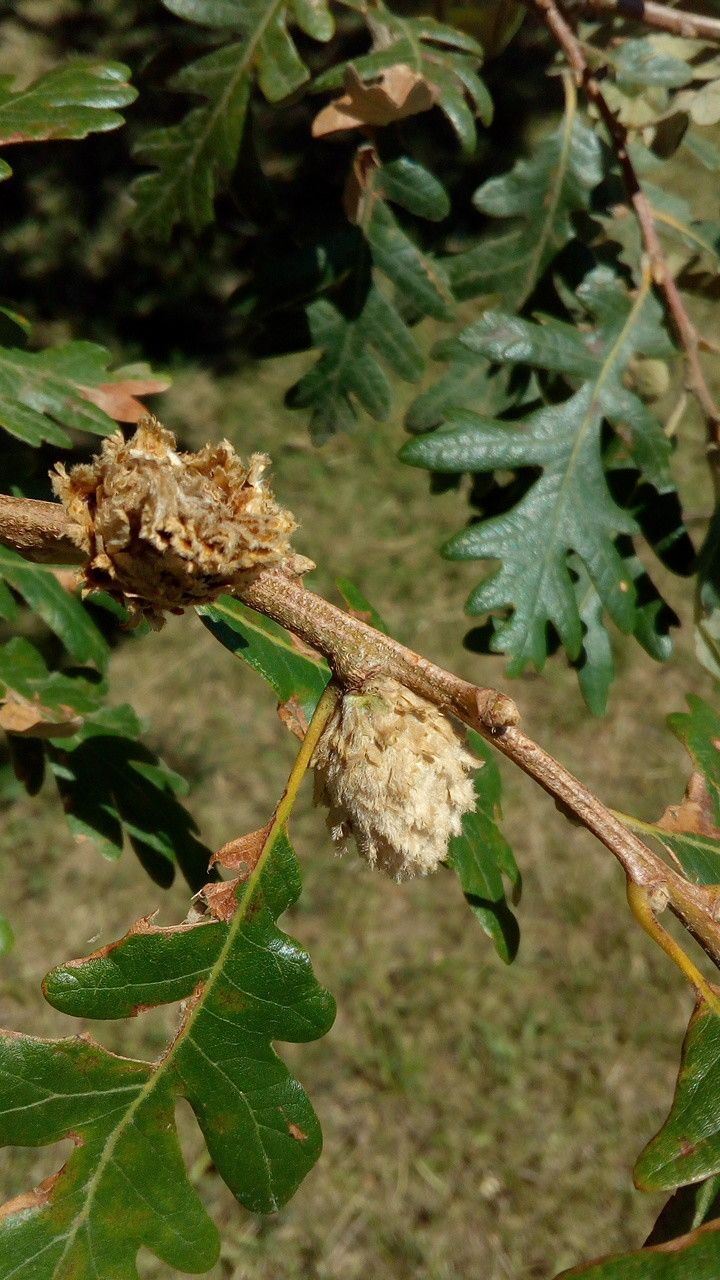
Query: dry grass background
[(479, 1121)]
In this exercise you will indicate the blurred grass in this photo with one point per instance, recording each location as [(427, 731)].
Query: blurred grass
[(478, 1120)]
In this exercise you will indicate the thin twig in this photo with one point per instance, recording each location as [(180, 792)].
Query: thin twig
[(557, 23), (356, 651), (38, 530), (694, 26)]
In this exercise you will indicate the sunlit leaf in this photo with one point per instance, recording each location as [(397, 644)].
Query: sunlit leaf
[(291, 670), (244, 985), (61, 610), (568, 509), (70, 101), (46, 394), (687, 1147)]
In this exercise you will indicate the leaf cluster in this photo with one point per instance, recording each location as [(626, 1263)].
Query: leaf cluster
[(554, 410)]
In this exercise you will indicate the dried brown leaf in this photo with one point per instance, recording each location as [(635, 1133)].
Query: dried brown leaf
[(694, 814), (396, 93), (358, 193), (28, 718), (293, 717), (221, 899), (119, 399), (242, 853)]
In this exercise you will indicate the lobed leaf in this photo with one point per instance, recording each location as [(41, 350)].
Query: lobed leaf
[(113, 788), (419, 279), (70, 101), (245, 985), (194, 159), (568, 510), (541, 194), (363, 324), (46, 394), (651, 628), (445, 57), (468, 383), (350, 372)]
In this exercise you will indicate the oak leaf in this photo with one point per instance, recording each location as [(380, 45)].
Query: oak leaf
[(119, 399), (396, 93), (694, 813), (27, 717)]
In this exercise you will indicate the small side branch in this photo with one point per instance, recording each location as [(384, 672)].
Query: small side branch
[(356, 651), (38, 530), (694, 26), (558, 25)]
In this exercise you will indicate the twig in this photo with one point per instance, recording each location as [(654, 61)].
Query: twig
[(37, 530), (694, 26), (356, 651), (687, 334)]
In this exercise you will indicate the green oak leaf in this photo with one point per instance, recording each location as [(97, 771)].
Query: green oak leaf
[(365, 329), (687, 1148), (70, 101), (408, 183), (58, 608), (244, 985), (195, 158), (290, 669), (349, 373), (46, 394), (446, 57), (540, 195), (568, 510)]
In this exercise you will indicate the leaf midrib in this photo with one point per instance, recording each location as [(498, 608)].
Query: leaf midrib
[(556, 187)]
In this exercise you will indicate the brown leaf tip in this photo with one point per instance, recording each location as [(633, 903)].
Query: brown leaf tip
[(165, 530), (396, 775)]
